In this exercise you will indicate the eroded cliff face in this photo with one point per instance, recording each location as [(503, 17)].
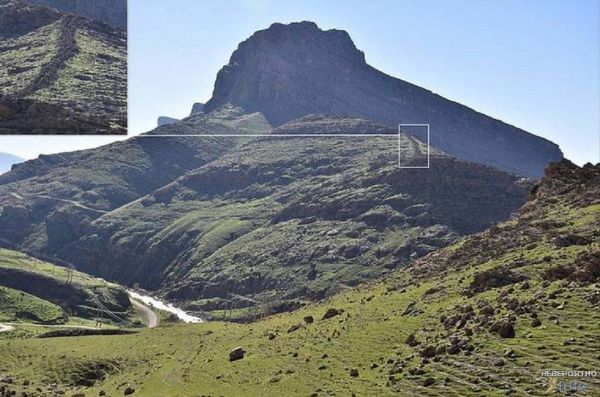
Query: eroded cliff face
[(288, 71)]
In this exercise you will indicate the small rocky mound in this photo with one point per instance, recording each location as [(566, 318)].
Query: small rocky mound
[(585, 269), (566, 178), (495, 278), (331, 312)]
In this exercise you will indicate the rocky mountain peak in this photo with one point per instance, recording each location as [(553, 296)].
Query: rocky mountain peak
[(301, 42), (276, 70), (289, 71)]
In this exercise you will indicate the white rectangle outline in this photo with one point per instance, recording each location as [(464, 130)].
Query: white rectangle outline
[(302, 136), (399, 151)]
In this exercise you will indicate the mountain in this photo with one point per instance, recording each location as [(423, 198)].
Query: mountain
[(50, 200), (288, 71), (292, 218), (7, 161), (111, 12), (484, 316), (61, 74)]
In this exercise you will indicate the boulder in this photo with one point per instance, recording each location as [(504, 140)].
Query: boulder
[(504, 329), (331, 312), (236, 354)]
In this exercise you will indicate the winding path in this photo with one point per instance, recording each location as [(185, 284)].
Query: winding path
[(151, 318)]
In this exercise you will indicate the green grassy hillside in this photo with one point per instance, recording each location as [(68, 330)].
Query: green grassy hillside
[(37, 292), (18, 305), (482, 317), (293, 218), (49, 202), (61, 74), (287, 219)]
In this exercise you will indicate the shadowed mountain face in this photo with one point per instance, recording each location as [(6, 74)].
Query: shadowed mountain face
[(48, 201), (61, 73), (288, 71), (288, 216), (111, 12)]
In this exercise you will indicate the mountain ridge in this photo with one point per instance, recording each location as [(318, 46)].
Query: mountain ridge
[(288, 71), (111, 12)]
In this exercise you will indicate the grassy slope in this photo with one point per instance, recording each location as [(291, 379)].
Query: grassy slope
[(262, 218), (65, 74), (94, 81), (52, 308), (23, 57), (17, 260), (192, 360), (103, 179), (17, 305)]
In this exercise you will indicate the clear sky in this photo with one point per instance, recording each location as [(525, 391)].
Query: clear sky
[(534, 64)]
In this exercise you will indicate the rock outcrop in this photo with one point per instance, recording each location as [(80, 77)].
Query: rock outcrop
[(197, 108)]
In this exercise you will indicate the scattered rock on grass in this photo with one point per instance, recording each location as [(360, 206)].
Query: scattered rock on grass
[(236, 354), (331, 312)]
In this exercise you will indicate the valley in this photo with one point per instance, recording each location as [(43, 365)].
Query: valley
[(284, 239), (37, 296), (483, 316), (215, 222)]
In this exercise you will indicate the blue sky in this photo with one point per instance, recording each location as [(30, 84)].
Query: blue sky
[(533, 64)]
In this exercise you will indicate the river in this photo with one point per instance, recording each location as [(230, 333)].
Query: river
[(167, 307)]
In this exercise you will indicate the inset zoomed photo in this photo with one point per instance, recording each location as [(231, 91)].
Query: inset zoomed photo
[(63, 67)]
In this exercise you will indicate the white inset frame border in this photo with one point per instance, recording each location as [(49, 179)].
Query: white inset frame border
[(400, 151), (398, 135)]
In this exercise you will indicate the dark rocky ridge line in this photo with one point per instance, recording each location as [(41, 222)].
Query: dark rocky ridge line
[(288, 71), (18, 18), (111, 12)]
